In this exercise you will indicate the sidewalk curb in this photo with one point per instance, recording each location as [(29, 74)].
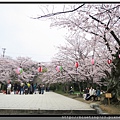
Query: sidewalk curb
[(46, 112)]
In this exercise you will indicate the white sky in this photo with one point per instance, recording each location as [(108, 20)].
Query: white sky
[(25, 37)]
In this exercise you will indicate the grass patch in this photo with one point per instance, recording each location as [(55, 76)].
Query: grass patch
[(111, 109)]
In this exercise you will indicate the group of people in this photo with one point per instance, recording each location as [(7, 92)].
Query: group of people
[(91, 94), (24, 88)]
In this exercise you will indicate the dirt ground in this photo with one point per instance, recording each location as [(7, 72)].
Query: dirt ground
[(110, 109)]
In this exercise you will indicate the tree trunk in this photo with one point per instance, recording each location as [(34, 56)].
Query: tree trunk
[(79, 86), (64, 89)]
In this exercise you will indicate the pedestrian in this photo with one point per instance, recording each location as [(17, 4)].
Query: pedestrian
[(71, 90), (31, 88), (98, 93), (19, 89), (35, 87), (15, 88), (42, 89), (9, 88), (25, 89), (86, 92), (6, 87), (94, 95), (3, 88), (39, 88), (91, 91), (47, 88), (22, 88), (12, 88), (28, 84)]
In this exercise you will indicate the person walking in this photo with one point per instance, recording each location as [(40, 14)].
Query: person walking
[(39, 88), (25, 89), (15, 88), (22, 88), (35, 87), (28, 84), (19, 88), (9, 88), (5, 87), (42, 89), (31, 88)]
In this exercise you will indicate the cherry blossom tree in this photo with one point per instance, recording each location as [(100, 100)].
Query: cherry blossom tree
[(101, 23), (9, 66)]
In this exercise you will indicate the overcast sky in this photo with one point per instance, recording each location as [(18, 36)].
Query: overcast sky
[(26, 37)]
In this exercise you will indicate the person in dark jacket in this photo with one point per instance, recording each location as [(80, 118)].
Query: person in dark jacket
[(15, 88), (39, 88), (26, 89), (6, 88), (31, 88), (19, 88)]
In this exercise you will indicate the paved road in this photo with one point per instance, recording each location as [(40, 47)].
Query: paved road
[(49, 101)]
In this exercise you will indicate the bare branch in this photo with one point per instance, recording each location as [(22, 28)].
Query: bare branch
[(58, 13), (112, 32)]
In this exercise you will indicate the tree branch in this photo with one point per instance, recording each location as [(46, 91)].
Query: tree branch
[(68, 74), (112, 32), (57, 13)]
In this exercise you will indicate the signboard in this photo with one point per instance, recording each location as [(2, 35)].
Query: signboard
[(108, 95)]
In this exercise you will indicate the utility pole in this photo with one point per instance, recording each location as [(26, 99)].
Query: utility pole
[(3, 51)]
